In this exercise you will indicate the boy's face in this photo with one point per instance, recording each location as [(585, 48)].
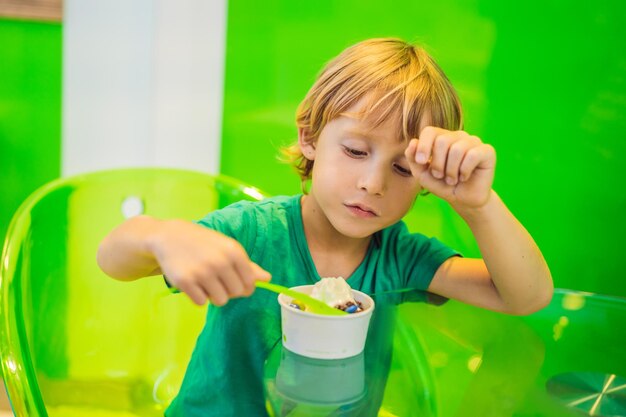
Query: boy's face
[(361, 180)]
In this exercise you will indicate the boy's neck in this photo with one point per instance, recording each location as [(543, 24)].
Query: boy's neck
[(333, 253)]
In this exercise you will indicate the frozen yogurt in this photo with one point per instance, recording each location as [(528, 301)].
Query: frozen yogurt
[(335, 292)]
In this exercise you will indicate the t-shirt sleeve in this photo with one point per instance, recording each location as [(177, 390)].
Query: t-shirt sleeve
[(419, 257), (237, 221)]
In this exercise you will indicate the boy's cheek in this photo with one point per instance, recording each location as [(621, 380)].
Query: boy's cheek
[(410, 192)]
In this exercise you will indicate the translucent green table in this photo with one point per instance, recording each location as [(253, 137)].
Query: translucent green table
[(452, 359), (76, 343)]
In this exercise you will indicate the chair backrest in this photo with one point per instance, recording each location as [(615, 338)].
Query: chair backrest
[(75, 342)]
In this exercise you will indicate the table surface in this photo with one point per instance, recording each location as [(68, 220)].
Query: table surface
[(433, 357)]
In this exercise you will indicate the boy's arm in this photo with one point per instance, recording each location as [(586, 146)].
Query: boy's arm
[(201, 262), (513, 276), (125, 254)]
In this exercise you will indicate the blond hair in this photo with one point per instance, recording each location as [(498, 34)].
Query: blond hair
[(396, 79)]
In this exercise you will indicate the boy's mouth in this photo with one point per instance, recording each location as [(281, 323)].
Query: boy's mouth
[(361, 210)]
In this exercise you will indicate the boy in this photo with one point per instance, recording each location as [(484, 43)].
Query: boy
[(380, 124)]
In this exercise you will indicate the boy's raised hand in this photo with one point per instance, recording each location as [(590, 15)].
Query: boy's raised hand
[(453, 165), (205, 264)]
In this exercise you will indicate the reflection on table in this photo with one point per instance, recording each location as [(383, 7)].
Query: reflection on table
[(426, 356)]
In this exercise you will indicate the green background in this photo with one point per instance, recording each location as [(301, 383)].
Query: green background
[(30, 110), (544, 82)]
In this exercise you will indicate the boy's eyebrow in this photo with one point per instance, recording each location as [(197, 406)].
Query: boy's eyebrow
[(362, 133)]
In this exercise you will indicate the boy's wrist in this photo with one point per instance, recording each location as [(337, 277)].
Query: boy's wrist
[(478, 214)]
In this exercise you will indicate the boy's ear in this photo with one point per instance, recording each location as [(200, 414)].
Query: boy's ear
[(306, 143)]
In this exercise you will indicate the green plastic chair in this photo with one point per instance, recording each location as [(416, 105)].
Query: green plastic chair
[(75, 342)]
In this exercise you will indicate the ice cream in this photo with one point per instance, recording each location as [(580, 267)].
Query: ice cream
[(335, 292), (332, 291)]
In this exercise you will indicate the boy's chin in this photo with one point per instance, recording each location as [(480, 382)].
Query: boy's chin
[(356, 232)]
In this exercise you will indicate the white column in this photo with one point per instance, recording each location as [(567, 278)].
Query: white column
[(142, 84)]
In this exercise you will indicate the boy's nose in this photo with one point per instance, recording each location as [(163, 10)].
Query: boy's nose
[(374, 182)]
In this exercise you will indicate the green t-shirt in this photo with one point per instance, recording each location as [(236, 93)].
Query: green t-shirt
[(225, 373)]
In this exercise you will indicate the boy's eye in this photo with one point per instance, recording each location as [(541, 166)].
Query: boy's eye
[(403, 171), (354, 152)]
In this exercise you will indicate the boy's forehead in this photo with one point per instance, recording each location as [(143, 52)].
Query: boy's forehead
[(364, 127), (368, 125), (365, 121)]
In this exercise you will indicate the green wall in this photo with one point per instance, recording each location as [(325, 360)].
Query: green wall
[(30, 110), (543, 81)]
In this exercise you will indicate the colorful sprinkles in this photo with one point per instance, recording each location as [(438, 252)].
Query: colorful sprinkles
[(348, 307)]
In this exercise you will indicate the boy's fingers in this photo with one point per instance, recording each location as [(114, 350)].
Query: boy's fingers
[(439, 159), (434, 185), (409, 154), (469, 164), (243, 267), (195, 293), (217, 293), (425, 144), (474, 157), (259, 273), (455, 158), (232, 282), (488, 154)]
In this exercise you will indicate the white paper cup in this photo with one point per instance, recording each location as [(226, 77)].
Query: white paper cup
[(325, 337)]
